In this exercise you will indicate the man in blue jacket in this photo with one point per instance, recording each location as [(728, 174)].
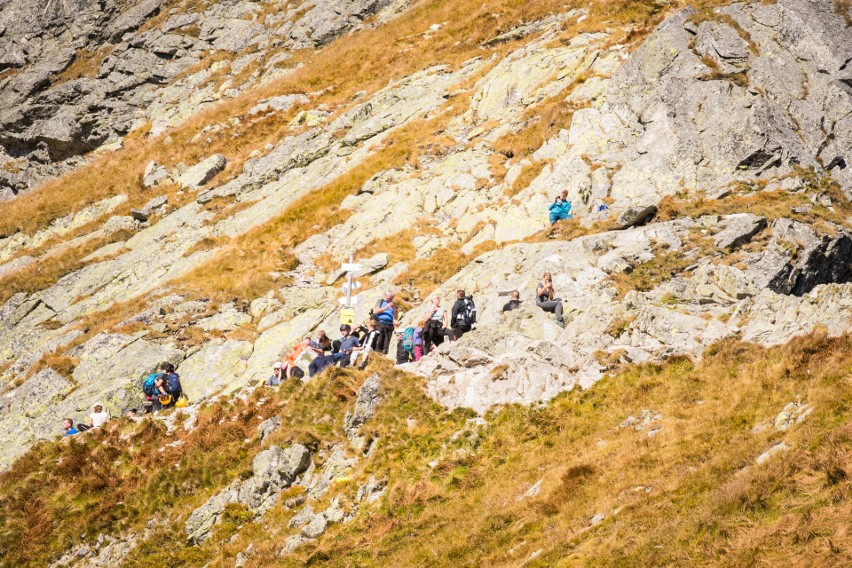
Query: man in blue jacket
[(560, 208), (68, 426)]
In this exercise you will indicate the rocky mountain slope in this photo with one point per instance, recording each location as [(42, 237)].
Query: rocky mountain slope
[(183, 179)]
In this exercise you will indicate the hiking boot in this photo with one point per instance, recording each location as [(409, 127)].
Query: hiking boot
[(560, 323)]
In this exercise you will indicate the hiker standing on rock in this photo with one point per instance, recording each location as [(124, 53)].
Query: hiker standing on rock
[(546, 301), (436, 326), (463, 315), (385, 314)]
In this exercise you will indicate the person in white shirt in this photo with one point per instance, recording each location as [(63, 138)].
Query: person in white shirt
[(98, 417), (368, 345), (436, 326)]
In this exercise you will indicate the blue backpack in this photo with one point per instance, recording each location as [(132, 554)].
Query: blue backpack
[(148, 386), (172, 385), (408, 339)]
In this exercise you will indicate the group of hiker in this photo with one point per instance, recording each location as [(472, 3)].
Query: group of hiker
[(412, 344), (163, 389), (355, 345)]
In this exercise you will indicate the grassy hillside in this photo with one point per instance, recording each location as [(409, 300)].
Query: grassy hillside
[(682, 489)]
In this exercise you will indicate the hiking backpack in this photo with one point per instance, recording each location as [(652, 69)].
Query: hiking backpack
[(148, 386), (408, 339), (172, 384), (468, 313)]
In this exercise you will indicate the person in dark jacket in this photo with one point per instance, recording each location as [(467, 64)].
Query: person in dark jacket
[(402, 356), (167, 383), (514, 302), (459, 318)]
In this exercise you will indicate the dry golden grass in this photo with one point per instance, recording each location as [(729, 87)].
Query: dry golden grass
[(242, 269), (60, 362), (542, 122), (740, 79), (844, 9), (49, 268), (771, 204), (569, 229), (527, 175), (708, 14), (207, 243), (362, 61), (646, 276), (426, 274), (692, 494), (86, 64)]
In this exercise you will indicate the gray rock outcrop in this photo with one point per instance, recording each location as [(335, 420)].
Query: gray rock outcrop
[(365, 405), (273, 469), (88, 73), (202, 172)]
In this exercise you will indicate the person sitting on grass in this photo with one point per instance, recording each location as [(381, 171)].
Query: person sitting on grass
[(68, 426)]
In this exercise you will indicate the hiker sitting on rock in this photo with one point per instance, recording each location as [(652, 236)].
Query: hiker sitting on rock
[(385, 314), (546, 301), (514, 301), (277, 375), (322, 343), (436, 326), (288, 365), (68, 426), (96, 419), (348, 344), (340, 354), (463, 315), (560, 208)]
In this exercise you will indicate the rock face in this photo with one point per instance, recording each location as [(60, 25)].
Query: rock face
[(710, 105), (273, 469), (202, 172), (88, 73), (365, 404), (522, 356)]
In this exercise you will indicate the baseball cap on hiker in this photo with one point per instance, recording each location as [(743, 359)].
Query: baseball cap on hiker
[(277, 365)]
